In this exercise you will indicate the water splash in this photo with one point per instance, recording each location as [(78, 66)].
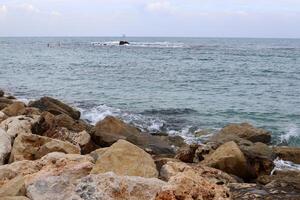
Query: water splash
[(282, 165), (291, 133)]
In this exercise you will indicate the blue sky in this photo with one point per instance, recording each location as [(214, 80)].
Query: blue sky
[(195, 18)]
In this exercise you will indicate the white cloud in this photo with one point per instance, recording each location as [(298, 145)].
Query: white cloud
[(3, 9), (56, 13), (160, 6), (30, 8)]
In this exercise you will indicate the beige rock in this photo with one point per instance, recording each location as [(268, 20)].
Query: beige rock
[(107, 186), (15, 198), (3, 116), (15, 109), (187, 153), (98, 153), (191, 185), (16, 125), (68, 122), (229, 158), (55, 107), (124, 158), (248, 132), (5, 146), (288, 153), (32, 147), (72, 166), (14, 187)]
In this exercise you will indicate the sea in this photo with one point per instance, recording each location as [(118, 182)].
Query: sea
[(177, 86)]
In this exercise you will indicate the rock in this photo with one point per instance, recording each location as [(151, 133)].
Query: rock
[(55, 107), (124, 158), (190, 185), (96, 154), (32, 147), (108, 186), (221, 138), (248, 132), (66, 121), (123, 42), (71, 166), (253, 191), (16, 125), (29, 111), (161, 161), (187, 153), (4, 102), (5, 146), (14, 187), (288, 153), (3, 116), (212, 175), (1, 93), (229, 158), (15, 198), (175, 141), (111, 129), (15, 109)]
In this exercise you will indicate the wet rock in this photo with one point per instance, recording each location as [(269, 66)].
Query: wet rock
[(15, 109), (32, 147), (5, 146), (288, 153), (123, 42), (111, 129), (188, 184), (19, 124), (221, 138), (124, 158), (108, 186), (248, 132), (14, 187), (1, 93), (55, 107), (229, 158)]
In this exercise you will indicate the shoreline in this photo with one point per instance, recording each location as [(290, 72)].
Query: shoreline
[(45, 142)]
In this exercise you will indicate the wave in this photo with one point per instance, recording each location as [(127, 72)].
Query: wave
[(142, 44), (169, 111), (282, 165), (291, 134)]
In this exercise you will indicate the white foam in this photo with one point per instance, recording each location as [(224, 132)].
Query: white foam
[(282, 165), (291, 133), (142, 44)]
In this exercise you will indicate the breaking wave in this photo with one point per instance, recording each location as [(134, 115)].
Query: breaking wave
[(282, 165), (142, 44)]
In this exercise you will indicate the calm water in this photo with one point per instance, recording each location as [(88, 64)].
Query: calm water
[(177, 85)]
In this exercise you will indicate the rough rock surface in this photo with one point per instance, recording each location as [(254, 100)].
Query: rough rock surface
[(190, 185), (124, 158), (4, 102), (32, 147), (3, 116), (15, 109), (288, 153), (248, 132), (14, 198), (108, 186), (14, 187), (229, 158), (16, 125), (5, 146), (55, 107)]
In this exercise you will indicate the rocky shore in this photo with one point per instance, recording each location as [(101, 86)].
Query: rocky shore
[(48, 153)]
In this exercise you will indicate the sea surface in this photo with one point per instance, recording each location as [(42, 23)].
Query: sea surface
[(173, 85)]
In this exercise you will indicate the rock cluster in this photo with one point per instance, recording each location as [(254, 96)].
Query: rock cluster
[(47, 152)]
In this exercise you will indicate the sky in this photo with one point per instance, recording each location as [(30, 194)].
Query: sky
[(176, 18)]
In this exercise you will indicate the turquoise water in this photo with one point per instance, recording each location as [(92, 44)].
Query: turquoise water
[(177, 85)]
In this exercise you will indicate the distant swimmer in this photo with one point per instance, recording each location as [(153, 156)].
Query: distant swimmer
[(123, 42)]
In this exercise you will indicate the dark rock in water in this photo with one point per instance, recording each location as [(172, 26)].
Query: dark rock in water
[(123, 42), (288, 153), (55, 107), (1, 93), (248, 132)]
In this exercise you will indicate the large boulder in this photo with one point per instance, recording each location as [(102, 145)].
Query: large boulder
[(124, 158), (248, 132), (71, 166), (19, 124), (15, 109), (288, 153), (190, 185), (5, 146), (32, 147), (4, 102), (55, 107), (68, 122), (14, 187), (108, 186), (229, 158), (111, 129)]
